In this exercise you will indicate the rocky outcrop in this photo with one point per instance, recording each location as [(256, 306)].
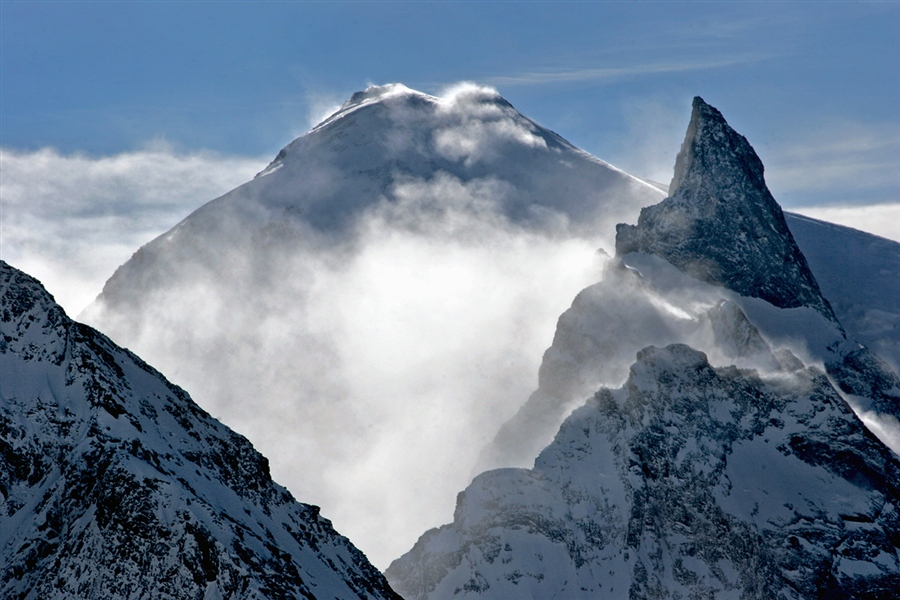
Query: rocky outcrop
[(688, 481), (721, 224)]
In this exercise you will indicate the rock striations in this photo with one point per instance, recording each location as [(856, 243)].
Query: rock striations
[(114, 484), (687, 482), (721, 224)]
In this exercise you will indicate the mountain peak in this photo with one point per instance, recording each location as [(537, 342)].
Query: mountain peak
[(721, 224), (376, 93), (708, 134)]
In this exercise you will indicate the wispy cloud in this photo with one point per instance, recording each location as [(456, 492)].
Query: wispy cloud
[(843, 163), (611, 74)]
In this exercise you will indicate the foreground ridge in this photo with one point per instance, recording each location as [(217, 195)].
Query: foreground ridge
[(116, 485)]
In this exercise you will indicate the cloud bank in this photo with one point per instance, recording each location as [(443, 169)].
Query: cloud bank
[(70, 220)]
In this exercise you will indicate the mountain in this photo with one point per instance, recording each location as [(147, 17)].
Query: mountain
[(392, 278), (721, 224), (687, 481), (859, 273), (116, 485), (398, 265), (720, 235), (367, 154), (717, 465)]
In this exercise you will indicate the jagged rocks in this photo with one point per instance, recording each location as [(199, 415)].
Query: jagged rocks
[(688, 480), (721, 224), (114, 484)]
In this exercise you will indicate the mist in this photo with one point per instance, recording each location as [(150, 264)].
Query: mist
[(372, 358), (372, 373), (71, 219)]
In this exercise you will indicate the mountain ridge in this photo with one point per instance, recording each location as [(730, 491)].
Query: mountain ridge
[(118, 485)]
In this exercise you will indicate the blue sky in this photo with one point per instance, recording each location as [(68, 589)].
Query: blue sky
[(240, 78), (815, 87)]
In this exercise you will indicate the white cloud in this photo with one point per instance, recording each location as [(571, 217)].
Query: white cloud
[(70, 220), (610, 74), (372, 374)]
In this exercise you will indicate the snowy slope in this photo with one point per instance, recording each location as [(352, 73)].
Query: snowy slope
[(116, 485), (382, 142), (687, 481), (859, 273), (690, 480), (389, 281), (720, 236)]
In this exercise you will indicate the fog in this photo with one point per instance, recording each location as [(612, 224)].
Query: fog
[(372, 374)]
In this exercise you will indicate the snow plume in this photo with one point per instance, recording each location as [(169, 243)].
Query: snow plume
[(480, 124), (372, 369), (69, 220), (885, 427)]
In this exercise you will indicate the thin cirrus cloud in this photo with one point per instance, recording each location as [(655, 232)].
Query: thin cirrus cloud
[(604, 74), (845, 173), (847, 155)]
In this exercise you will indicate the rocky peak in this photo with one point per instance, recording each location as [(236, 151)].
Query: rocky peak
[(721, 224), (688, 481)]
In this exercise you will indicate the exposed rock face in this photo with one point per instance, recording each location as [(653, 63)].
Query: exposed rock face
[(721, 223), (114, 484), (865, 375), (688, 481)]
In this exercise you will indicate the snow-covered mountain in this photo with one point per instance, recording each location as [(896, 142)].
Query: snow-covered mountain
[(720, 236), (391, 279), (114, 484), (737, 471), (388, 282), (688, 481), (859, 273)]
